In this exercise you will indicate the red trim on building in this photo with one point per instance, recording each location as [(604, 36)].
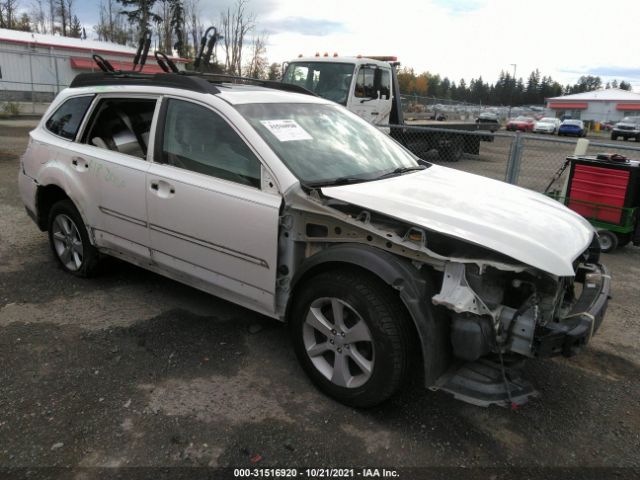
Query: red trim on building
[(628, 106), (81, 49), (84, 63), (568, 105)]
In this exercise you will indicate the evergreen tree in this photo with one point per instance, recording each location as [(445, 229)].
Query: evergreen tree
[(76, 28), (140, 13)]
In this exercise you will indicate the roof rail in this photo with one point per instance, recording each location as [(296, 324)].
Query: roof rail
[(171, 80), (220, 78)]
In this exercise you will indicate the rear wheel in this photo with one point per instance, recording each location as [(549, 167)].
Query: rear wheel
[(69, 240), (352, 335), (614, 137), (608, 240)]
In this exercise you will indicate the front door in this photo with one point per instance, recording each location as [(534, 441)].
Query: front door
[(370, 101), (208, 217)]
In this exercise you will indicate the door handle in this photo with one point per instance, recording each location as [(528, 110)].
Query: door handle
[(163, 189), (374, 113), (79, 162)]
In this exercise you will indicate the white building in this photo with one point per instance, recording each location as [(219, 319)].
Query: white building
[(604, 105), (34, 67)]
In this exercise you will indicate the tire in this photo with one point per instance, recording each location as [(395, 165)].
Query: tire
[(608, 241), (374, 368), (456, 152), (623, 239), (614, 137), (69, 240)]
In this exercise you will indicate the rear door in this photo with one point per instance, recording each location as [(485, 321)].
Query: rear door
[(113, 158), (208, 216)]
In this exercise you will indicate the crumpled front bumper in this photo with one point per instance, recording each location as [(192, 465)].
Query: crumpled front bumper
[(571, 334)]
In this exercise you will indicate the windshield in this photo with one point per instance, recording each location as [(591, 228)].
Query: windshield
[(631, 119), (573, 122), (329, 80), (547, 120), (523, 119), (321, 144)]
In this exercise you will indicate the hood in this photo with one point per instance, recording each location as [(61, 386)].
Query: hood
[(520, 223)]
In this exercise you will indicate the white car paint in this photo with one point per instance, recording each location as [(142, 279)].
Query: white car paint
[(519, 223), (547, 125)]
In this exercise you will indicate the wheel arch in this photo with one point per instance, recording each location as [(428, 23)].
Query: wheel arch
[(47, 196), (414, 287)]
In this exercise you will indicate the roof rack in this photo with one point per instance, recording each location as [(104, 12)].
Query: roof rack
[(189, 80), (171, 80), (196, 81)]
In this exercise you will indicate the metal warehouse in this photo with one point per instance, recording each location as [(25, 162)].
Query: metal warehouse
[(35, 67), (606, 105)]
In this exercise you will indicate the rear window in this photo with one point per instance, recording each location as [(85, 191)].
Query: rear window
[(67, 118)]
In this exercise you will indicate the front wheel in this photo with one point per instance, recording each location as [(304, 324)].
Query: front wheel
[(608, 240), (352, 335), (69, 240)]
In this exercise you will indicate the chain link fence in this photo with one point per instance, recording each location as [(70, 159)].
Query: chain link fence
[(527, 160)]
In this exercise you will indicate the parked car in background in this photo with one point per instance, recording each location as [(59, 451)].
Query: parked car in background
[(607, 126), (522, 123), (628, 127), (547, 125), (490, 119), (574, 128)]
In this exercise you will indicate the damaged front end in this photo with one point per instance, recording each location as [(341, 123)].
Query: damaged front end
[(491, 310), (498, 319)]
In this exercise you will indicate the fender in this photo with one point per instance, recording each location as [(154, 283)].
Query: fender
[(56, 174), (415, 290)]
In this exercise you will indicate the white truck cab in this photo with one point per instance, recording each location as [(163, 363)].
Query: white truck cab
[(362, 84)]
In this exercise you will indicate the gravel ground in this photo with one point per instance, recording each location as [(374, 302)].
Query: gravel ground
[(131, 369)]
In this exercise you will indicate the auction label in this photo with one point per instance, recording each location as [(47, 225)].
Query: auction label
[(286, 130), (314, 473)]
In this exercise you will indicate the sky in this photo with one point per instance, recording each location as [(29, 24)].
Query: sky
[(455, 38)]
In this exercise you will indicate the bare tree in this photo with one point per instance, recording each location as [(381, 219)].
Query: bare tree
[(8, 10), (61, 9), (38, 16), (112, 26), (257, 66), (193, 25), (163, 27), (236, 23), (52, 16)]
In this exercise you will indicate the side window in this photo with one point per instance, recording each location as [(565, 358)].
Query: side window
[(364, 83), (385, 84), (122, 125), (67, 118), (198, 139)]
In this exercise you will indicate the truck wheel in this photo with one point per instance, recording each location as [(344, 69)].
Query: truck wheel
[(614, 137), (456, 151), (623, 239), (352, 336), (608, 240), (69, 240)]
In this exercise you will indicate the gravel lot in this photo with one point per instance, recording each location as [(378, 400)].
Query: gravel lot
[(132, 369)]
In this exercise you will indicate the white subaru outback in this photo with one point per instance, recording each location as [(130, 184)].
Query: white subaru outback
[(290, 205)]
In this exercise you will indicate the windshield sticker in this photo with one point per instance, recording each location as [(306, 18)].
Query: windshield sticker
[(286, 130)]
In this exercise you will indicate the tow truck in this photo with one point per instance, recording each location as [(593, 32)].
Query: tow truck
[(368, 86)]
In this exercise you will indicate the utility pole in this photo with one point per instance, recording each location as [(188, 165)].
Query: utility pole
[(511, 90)]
